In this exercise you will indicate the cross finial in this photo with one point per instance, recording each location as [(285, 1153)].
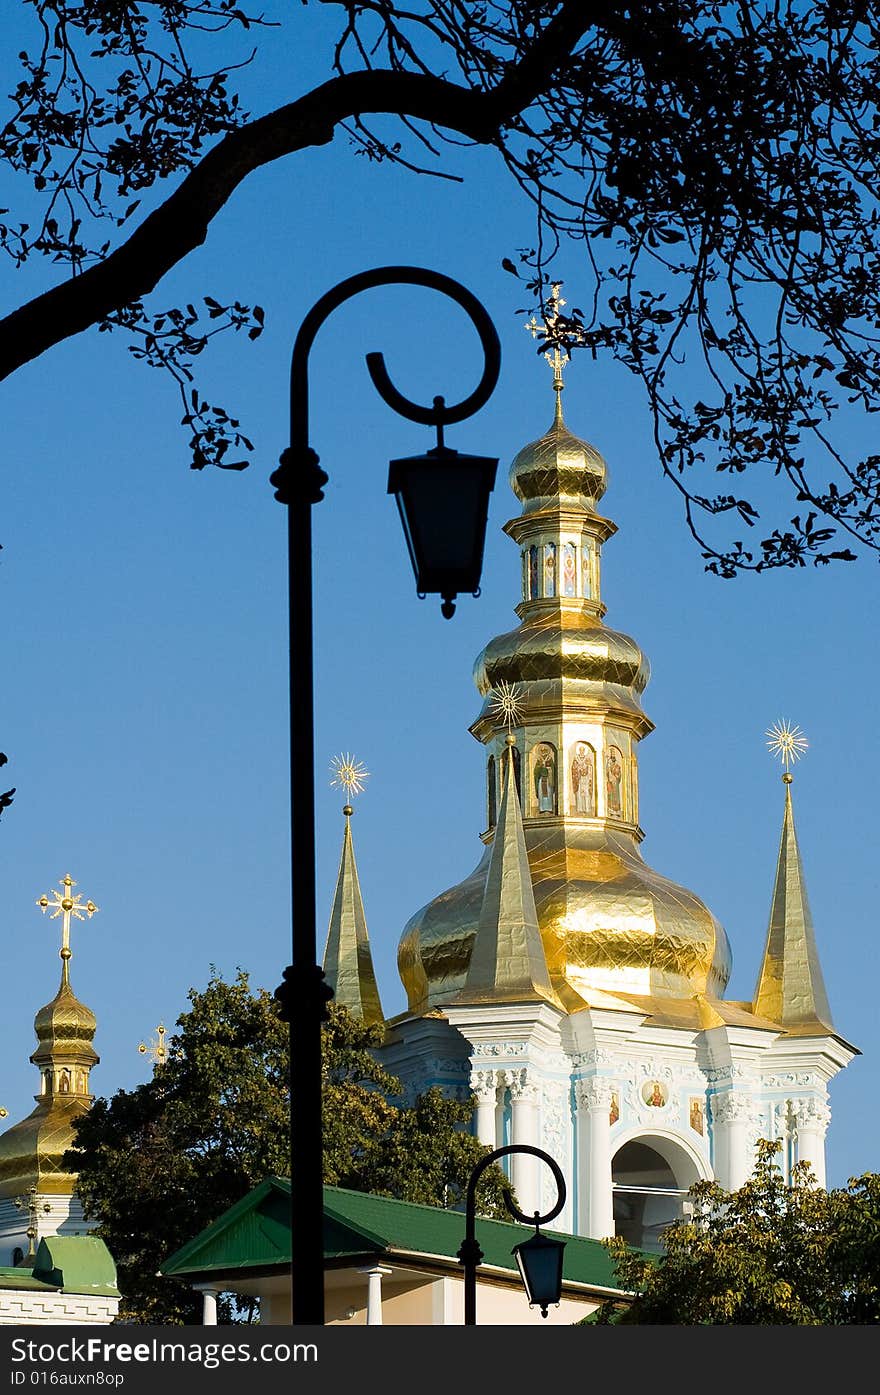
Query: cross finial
[(548, 327), (156, 1047), (29, 1203), (65, 904)]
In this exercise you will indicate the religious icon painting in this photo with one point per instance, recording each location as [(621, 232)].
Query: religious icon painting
[(654, 1094), (697, 1115), (614, 1111), (569, 569), (614, 782), (586, 571), (583, 779), (534, 589), (550, 569), (544, 776)]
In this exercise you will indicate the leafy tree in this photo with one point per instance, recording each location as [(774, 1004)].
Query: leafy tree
[(718, 163), (768, 1254), (158, 1163)]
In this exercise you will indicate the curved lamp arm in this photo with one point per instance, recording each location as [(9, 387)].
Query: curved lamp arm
[(470, 1254), (438, 413)]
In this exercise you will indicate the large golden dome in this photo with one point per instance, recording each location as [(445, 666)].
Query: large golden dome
[(31, 1151), (609, 923)]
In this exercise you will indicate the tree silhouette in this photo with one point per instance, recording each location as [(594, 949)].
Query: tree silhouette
[(719, 163)]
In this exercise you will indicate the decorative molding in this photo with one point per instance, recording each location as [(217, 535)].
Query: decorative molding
[(811, 1114), (522, 1087), (731, 1109), (594, 1093), (804, 1080), (484, 1084), (500, 1048), (594, 1060)]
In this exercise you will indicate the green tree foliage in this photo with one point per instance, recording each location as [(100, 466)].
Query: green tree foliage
[(768, 1254), (158, 1163), (717, 165)]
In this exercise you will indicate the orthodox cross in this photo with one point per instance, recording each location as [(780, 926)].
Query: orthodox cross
[(66, 904), (29, 1203), (551, 329), (156, 1047)]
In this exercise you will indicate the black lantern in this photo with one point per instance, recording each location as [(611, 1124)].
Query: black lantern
[(443, 498), (540, 1264)]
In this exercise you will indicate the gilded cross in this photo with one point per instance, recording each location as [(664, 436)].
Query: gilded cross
[(548, 328), (29, 1203), (66, 904), (156, 1047)]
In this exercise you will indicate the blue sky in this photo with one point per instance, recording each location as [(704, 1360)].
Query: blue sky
[(144, 704)]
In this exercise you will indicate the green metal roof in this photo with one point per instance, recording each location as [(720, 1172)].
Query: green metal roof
[(255, 1234), (76, 1264), (71, 1263), (14, 1277)]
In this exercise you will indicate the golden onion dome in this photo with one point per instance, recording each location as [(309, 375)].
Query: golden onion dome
[(558, 641), (608, 922), (31, 1151), (65, 1021), (558, 468)]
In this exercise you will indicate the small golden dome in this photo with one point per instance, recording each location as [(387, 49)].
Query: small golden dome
[(65, 1019), (557, 469)]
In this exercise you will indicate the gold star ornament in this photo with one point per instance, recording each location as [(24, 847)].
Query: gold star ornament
[(348, 774), (787, 742)]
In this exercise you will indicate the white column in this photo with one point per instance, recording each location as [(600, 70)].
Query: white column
[(731, 1115), (209, 1307), (374, 1293), (484, 1084), (595, 1182), (524, 1129), (811, 1118)]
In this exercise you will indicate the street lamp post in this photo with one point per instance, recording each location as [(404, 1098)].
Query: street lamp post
[(299, 483), (539, 1259)]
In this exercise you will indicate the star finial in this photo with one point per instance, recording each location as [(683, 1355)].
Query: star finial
[(348, 774), (506, 703), (788, 743)]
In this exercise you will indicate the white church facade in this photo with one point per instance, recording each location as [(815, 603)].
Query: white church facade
[(576, 993)]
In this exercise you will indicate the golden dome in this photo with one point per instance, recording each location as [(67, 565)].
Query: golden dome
[(557, 468), (607, 920), (31, 1151), (65, 1021), (557, 642)]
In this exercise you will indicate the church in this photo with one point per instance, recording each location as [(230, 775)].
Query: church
[(575, 992)]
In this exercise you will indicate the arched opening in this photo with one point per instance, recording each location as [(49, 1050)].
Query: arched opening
[(650, 1182)]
